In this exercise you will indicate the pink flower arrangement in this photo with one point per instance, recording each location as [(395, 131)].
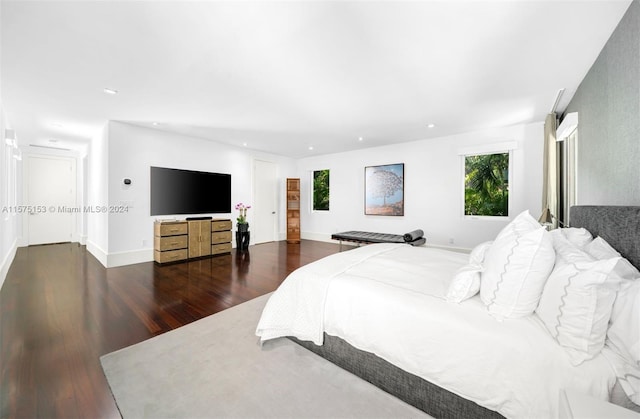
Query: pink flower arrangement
[(242, 209)]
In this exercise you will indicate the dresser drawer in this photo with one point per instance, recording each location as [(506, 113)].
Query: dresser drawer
[(220, 237), (171, 243), (220, 225), (216, 249), (170, 229), (170, 256)]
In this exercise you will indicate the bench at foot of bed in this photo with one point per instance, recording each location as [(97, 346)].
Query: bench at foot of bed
[(367, 237)]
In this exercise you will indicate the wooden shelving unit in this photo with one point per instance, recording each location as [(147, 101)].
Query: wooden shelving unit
[(293, 210)]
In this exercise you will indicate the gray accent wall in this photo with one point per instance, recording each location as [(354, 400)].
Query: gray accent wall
[(608, 106)]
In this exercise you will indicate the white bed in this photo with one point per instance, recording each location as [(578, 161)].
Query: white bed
[(390, 300)]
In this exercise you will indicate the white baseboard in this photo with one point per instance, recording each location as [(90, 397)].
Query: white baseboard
[(112, 260), (97, 252), (319, 237), (129, 258), (6, 263)]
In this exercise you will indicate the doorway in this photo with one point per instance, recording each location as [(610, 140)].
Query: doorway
[(51, 199), (265, 181)]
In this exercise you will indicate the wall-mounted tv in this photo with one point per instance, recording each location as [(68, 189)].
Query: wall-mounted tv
[(175, 191)]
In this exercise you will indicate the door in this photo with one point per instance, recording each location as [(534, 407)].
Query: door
[(265, 182), (51, 196)]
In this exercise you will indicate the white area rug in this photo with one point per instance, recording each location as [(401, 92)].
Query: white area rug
[(215, 367)]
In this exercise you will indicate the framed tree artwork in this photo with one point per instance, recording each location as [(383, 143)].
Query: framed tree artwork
[(384, 189)]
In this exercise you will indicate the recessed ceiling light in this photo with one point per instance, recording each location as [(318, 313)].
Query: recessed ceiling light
[(109, 91), (155, 124), (310, 147), (431, 125), (360, 139), (244, 144)]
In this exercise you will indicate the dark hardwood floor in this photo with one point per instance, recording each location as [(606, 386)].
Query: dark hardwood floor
[(60, 310)]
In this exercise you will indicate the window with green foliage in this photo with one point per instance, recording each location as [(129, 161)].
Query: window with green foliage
[(486, 185), (321, 190)]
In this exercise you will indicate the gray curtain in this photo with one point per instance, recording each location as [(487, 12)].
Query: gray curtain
[(550, 169)]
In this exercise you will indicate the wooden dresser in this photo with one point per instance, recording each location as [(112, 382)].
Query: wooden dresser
[(175, 241)]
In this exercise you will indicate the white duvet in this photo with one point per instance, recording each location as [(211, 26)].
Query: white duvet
[(388, 299)]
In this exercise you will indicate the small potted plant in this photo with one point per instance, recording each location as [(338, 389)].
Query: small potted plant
[(242, 225)]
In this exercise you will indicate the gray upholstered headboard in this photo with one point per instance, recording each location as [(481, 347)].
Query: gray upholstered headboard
[(618, 225)]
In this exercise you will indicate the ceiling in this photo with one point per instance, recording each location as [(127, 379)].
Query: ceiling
[(283, 77)]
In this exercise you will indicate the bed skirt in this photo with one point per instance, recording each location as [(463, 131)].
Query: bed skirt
[(409, 388)]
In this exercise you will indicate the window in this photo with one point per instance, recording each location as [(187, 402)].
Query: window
[(486, 184), (321, 190)]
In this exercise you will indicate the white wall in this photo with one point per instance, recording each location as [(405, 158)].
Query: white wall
[(131, 152), (97, 195), (82, 171), (9, 220), (433, 187)]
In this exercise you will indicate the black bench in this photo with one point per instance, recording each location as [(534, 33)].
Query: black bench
[(413, 238)]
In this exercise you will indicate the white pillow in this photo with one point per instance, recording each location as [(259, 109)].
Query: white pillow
[(516, 267), (600, 249), (576, 303), (579, 237), (477, 255), (465, 284), (623, 338)]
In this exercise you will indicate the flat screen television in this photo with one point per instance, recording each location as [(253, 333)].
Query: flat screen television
[(175, 191)]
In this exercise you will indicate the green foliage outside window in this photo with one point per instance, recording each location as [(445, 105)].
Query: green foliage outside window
[(321, 190), (486, 185)]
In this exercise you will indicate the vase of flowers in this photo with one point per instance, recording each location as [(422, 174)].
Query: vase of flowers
[(242, 225)]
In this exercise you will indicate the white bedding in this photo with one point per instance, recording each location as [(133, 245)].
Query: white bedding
[(389, 299)]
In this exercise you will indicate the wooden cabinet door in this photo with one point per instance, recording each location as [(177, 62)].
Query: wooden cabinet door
[(199, 238), (205, 233), (194, 239)]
